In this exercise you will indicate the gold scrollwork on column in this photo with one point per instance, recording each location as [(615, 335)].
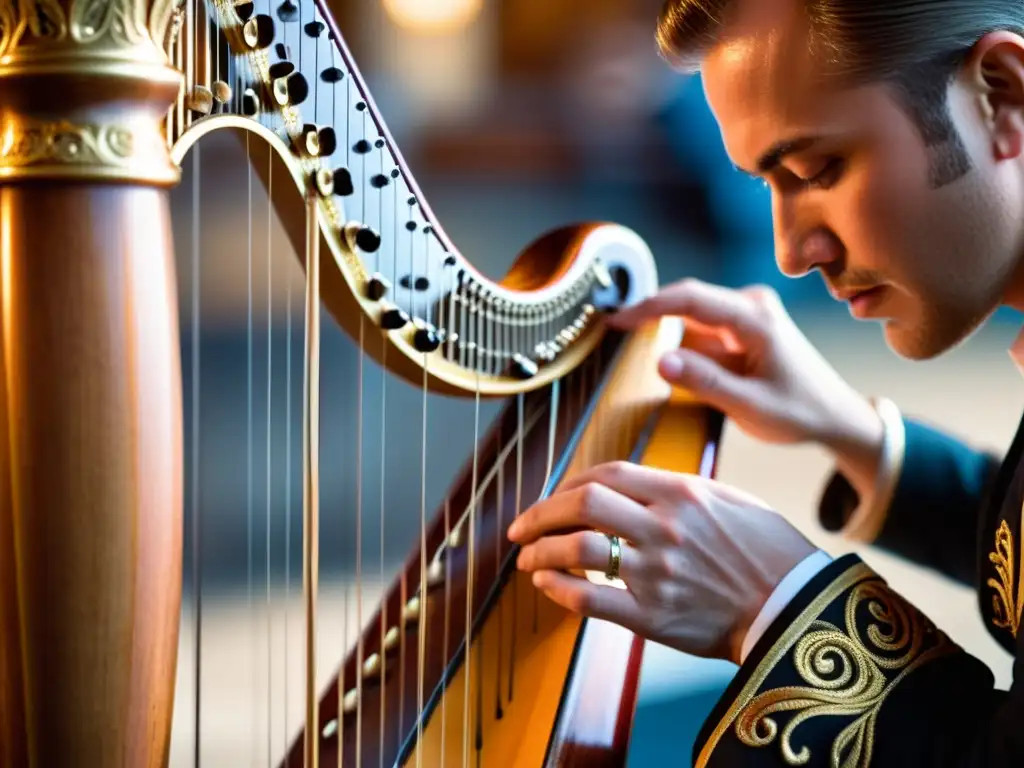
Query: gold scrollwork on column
[(96, 151)]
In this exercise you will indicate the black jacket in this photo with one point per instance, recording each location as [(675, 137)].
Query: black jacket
[(851, 674)]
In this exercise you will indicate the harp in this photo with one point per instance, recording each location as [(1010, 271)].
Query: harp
[(460, 661)]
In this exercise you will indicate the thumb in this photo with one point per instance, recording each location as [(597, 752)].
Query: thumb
[(706, 378)]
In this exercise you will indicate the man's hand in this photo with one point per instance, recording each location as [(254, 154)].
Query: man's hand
[(743, 354), (699, 558)]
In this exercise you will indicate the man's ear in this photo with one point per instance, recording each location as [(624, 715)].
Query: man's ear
[(995, 75)]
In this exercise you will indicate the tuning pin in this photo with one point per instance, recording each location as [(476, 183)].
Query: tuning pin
[(200, 100), (291, 90), (377, 287), (308, 141), (250, 102), (523, 367), (343, 185), (244, 10), (221, 92), (280, 69), (426, 339), (328, 141), (288, 11), (363, 238), (393, 318), (324, 181), (332, 75), (314, 28), (258, 32)]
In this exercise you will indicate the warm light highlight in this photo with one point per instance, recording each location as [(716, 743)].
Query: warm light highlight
[(433, 16)]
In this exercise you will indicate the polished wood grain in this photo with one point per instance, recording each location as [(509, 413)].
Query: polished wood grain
[(90, 476)]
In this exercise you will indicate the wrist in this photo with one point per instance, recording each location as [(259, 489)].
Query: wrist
[(857, 444), (742, 642), (772, 597)]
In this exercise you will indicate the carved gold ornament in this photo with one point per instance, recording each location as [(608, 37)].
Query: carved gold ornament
[(30, 28), (846, 676), (87, 87), (1006, 606), (37, 148)]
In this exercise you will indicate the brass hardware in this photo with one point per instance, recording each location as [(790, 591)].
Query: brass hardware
[(221, 92), (200, 99), (324, 180)]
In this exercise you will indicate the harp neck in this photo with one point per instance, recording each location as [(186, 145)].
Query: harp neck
[(287, 70)]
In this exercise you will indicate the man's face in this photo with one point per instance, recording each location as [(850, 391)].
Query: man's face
[(856, 200)]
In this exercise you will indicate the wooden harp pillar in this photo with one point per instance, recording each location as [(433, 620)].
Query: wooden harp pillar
[(90, 455)]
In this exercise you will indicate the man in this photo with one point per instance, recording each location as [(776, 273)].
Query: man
[(891, 135)]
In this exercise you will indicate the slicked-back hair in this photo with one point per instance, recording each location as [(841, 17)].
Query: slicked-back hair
[(915, 46)]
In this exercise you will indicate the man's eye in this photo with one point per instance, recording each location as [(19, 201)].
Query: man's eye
[(827, 176)]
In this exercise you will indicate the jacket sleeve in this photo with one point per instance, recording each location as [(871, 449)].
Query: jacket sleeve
[(850, 674), (932, 514)]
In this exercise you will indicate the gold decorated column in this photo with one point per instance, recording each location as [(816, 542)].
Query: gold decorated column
[(90, 386)]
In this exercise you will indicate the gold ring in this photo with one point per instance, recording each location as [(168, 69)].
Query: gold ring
[(614, 558)]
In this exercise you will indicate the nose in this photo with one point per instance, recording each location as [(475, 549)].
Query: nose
[(800, 250), (801, 253)]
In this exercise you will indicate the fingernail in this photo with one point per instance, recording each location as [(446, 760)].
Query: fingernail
[(513, 530), (671, 365)]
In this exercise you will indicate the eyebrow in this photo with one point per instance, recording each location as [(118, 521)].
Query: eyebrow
[(778, 152)]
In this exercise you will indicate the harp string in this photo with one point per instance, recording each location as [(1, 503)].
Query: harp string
[(471, 574), (422, 636), (197, 599), (270, 376), (249, 527), (381, 655), (359, 558), (311, 464)]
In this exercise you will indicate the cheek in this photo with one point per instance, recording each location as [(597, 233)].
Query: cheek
[(878, 215)]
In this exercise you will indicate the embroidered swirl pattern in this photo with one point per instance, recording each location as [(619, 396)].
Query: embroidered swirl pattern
[(847, 675), (1006, 606)]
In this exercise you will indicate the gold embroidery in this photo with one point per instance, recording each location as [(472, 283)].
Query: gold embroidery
[(1005, 606), (846, 676), (853, 575)]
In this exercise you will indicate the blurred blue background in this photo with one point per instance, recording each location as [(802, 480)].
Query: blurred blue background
[(516, 117)]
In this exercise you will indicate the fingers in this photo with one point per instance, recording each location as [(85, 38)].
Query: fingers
[(582, 551), (645, 485), (587, 505), (716, 346), (618, 606), (708, 379), (706, 303)]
